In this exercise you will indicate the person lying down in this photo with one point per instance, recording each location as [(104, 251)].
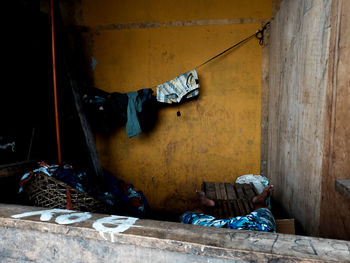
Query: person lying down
[(261, 219)]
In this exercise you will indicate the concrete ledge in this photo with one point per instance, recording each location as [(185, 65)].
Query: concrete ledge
[(44, 235)]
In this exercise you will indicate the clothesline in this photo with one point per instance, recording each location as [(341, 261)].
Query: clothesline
[(172, 87), (258, 34)]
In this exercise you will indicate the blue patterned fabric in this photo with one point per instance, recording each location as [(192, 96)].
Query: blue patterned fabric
[(258, 220)]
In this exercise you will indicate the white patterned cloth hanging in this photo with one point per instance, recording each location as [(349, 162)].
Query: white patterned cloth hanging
[(173, 91)]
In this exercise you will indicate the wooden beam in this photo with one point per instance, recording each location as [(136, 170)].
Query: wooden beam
[(13, 169), (89, 137), (71, 78), (28, 231)]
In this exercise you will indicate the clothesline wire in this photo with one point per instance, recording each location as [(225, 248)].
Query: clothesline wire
[(258, 34)]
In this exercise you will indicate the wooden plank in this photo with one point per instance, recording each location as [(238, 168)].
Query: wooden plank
[(231, 194), (148, 239), (13, 169), (219, 208), (230, 208), (248, 191), (223, 191), (242, 211), (264, 104), (336, 164), (251, 205), (217, 191), (343, 187), (253, 189), (247, 207), (88, 135), (235, 206), (239, 189), (226, 213), (209, 190), (298, 76)]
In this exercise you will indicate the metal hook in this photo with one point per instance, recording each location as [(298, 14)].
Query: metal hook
[(260, 34)]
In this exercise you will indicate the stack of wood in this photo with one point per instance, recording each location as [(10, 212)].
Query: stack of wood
[(233, 200)]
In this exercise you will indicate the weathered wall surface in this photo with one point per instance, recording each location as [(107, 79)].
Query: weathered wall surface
[(140, 44), (299, 49), (335, 208)]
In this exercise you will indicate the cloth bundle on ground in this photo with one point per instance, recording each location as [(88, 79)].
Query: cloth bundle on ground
[(119, 196), (258, 220), (107, 111)]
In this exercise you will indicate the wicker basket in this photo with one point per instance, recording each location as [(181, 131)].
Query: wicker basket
[(45, 191)]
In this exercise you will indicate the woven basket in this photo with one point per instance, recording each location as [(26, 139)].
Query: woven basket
[(45, 191)]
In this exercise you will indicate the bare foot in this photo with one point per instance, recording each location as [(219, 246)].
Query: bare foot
[(259, 201), (203, 199)]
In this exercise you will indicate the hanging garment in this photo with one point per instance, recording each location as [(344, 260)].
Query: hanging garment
[(133, 128), (173, 91), (138, 108), (150, 106), (107, 111)]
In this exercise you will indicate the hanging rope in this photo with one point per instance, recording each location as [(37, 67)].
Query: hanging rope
[(55, 83), (259, 35)]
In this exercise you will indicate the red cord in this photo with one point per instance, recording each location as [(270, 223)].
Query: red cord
[(55, 83), (69, 205)]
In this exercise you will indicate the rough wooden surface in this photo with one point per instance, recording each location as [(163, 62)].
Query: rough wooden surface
[(335, 207), (343, 187), (264, 103), (299, 48), (63, 238), (230, 199)]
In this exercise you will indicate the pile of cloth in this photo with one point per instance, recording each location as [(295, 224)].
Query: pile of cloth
[(116, 194)]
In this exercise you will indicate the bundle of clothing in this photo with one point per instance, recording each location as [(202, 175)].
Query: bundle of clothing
[(120, 197), (258, 220)]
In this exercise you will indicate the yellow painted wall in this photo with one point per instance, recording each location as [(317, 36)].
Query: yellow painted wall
[(217, 137)]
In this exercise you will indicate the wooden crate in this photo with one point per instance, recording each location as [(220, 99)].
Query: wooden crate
[(230, 199), (233, 200)]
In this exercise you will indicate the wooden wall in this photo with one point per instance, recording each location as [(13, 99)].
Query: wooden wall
[(308, 111), (299, 41), (335, 208)]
